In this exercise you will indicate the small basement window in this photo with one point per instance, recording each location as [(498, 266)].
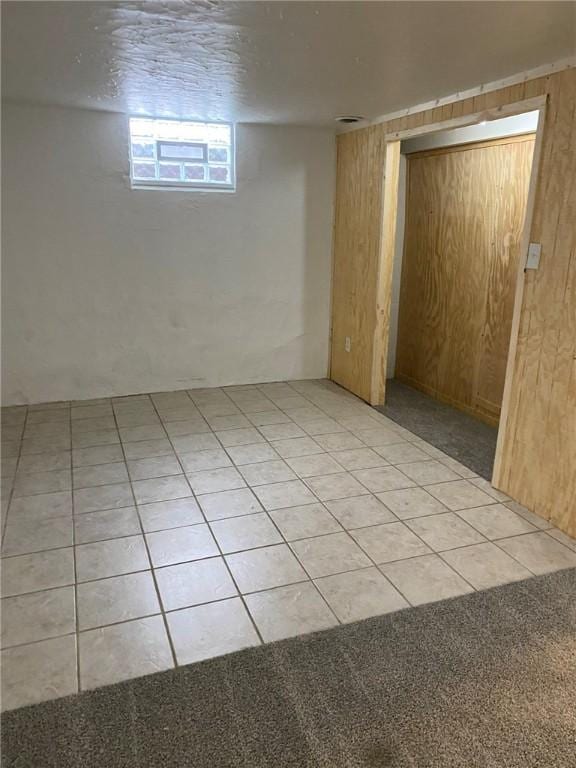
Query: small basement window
[(181, 155)]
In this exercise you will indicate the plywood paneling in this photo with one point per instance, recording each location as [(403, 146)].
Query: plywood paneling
[(358, 212), (538, 456), (464, 217)]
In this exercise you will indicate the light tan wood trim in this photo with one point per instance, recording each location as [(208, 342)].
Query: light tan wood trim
[(448, 150), (497, 478), (446, 102), (493, 113), (385, 269)]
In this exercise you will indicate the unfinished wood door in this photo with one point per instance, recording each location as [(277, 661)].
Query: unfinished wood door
[(464, 215)]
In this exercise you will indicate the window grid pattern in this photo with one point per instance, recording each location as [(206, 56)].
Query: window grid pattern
[(189, 155)]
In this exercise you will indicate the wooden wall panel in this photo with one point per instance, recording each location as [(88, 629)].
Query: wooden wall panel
[(538, 466), (464, 218), (359, 178)]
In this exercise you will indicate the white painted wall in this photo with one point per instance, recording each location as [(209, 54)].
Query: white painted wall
[(110, 291)]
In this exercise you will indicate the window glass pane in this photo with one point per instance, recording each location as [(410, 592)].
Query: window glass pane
[(186, 154), (142, 148), (218, 173), (169, 171), (144, 170), (194, 172), (183, 151), (218, 155)]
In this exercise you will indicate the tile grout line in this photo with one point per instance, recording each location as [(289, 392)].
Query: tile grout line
[(73, 523), (207, 522), (145, 542)]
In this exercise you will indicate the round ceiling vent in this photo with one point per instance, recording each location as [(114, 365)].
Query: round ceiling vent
[(348, 118)]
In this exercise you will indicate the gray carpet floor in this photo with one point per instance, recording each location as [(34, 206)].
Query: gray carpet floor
[(487, 680), (456, 433)]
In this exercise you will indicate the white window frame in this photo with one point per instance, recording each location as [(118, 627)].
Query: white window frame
[(183, 186)]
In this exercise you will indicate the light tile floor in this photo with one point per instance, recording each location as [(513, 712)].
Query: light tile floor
[(148, 531)]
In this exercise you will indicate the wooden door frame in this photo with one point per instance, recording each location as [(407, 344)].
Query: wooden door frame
[(388, 235)]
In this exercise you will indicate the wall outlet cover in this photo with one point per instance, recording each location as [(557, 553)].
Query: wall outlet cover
[(533, 257)]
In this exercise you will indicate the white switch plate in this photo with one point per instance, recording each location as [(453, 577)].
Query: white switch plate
[(533, 258), (347, 344)]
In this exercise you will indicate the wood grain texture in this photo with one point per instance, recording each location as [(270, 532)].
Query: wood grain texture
[(358, 213), (384, 281), (538, 466), (464, 217)]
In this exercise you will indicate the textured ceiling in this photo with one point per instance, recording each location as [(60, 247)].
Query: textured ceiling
[(280, 62)]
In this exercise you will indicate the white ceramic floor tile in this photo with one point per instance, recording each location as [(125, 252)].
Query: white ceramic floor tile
[(446, 531), (192, 443), (38, 672), (175, 513), (258, 569), (358, 458), (37, 616), (211, 630), (251, 454), (234, 437), (108, 601), (360, 512), (539, 552), (536, 520), (41, 507), (214, 480), (24, 536), (103, 497), (496, 521), (161, 489), (156, 466), (360, 594), (111, 558), (485, 565), (247, 532), (281, 431), (107, 524), (429, 471), (292, 493), (266, 472), (386, 543), (340, 441), (383, 479), (297, 446), (179, 545), (563, 538), (318, 464), (187, 584), (411, 502), (123, 651), (100, 474), (305, 521), (218, 506), (402, 453), (425, 579), (43, 570), (340, 486), (29, 484), (459, 494), (287, 611), (197, 461), (325, 555), (99, 454)]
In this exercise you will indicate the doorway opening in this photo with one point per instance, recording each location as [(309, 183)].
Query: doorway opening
[(462, 198)]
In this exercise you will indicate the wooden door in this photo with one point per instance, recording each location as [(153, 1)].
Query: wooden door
[(464, 215)]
